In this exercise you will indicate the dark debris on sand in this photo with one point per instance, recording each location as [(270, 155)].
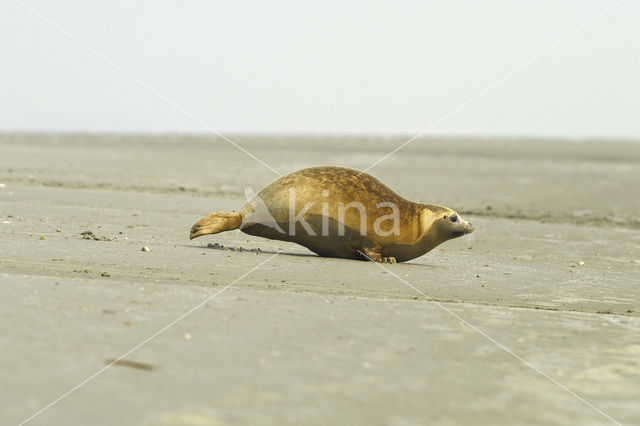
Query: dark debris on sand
[(221, 247), (89, 235)]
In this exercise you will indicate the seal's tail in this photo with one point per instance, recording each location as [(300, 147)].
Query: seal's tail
[(216, 222)]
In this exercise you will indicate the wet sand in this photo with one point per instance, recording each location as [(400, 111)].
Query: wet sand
[(551, 274)]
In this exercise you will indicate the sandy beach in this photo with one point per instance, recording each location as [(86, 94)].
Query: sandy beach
[(532, 319)]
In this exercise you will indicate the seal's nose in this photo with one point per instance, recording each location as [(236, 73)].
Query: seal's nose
[(470, 228)]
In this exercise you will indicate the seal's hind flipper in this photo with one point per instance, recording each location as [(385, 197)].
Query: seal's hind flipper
[(214, 223)]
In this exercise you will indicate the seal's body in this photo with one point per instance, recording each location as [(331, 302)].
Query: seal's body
[(340, 212)]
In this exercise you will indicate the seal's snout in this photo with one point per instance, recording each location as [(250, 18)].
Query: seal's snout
[(469, 228)]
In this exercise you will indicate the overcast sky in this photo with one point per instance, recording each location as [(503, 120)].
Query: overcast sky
[(324, 67)]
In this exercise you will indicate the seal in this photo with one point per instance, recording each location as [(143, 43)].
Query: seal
[(340, 212)]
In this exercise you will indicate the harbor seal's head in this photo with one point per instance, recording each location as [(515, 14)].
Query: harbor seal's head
[(451, 225), (437, 224)]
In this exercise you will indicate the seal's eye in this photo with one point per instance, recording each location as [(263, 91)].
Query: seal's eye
[(454, 218)]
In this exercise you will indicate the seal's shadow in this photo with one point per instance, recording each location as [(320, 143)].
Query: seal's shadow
[(216, 246)]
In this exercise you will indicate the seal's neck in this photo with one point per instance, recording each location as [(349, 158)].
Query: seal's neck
[(432, 234), (431, 240)]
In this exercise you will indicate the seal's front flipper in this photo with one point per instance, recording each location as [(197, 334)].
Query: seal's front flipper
[(375, 256), (214, 223)]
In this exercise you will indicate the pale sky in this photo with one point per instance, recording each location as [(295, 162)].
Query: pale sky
[(363, 67)]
